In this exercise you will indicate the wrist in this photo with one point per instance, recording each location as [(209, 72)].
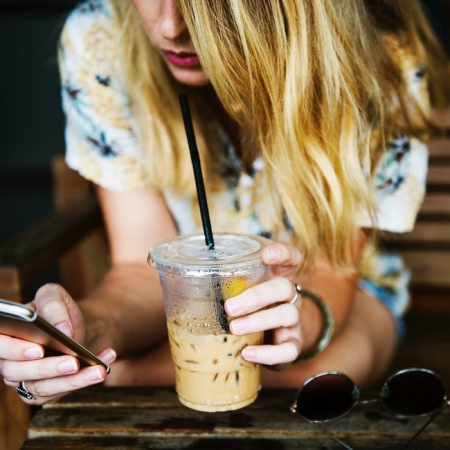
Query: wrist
[(317, 324)]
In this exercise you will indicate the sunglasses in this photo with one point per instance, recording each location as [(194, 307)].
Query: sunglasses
[(414, 392)]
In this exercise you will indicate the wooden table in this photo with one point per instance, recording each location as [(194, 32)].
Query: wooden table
[(149, 418)]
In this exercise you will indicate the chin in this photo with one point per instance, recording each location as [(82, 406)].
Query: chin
[(191, 78)]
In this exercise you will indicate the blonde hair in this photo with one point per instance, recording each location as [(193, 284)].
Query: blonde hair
[(304, 79), (154, 94), (407, 22)]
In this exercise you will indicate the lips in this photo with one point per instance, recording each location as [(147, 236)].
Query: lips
[(182, 59)]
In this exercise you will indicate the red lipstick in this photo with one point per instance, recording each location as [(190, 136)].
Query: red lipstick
[(182, 59)]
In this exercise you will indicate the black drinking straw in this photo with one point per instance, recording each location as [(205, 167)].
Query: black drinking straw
[(185, 111), (201, 194)]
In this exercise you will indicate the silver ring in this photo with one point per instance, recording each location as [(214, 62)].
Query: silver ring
[(298, 290), (22, 391)]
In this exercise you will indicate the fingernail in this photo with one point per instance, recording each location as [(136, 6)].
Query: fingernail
[(65, 328), (272, 253), (233, 306), (249, 353), (94, 374), (33, 352), (68, 366), (108, 356), (239, 325)]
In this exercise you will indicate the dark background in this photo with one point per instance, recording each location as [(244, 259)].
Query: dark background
[(31, 121)]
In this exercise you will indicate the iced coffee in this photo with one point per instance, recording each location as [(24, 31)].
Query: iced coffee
[(211, 374)]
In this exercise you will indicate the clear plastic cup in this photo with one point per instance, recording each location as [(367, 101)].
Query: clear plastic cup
[(211, 374)]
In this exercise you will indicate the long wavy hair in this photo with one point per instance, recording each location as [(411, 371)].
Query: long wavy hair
[(307, 82)]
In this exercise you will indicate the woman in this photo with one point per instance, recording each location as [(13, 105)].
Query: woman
[(310, 119)]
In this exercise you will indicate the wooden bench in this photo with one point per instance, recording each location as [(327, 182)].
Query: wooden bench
[(69, 235)]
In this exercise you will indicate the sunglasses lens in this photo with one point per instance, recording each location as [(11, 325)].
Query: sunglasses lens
[(326, 397), (414, 392)]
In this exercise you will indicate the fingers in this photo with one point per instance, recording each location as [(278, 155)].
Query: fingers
[(285, 315), (18, 350), (272, 355), (284, 259), (54, 304), (284, 320), (267, 307), (47, 390), (254, 315), (261, 296), (47, 378), (108, 356), (16, 371), (50, 378)]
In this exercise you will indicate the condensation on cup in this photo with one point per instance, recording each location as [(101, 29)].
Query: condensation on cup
[(211, 374)]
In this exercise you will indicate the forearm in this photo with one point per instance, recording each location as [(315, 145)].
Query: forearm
[(363, 349), (336, 291), (126, 311), (336, 288)]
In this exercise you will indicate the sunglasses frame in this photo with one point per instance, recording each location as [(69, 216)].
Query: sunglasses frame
[(381, 398)]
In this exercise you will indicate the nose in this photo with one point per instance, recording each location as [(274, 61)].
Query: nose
[(172, 24)]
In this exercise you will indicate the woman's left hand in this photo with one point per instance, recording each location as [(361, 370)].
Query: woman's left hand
[(268, 306)]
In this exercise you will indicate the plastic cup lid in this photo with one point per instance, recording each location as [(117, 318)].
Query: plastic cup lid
[(190, 251)]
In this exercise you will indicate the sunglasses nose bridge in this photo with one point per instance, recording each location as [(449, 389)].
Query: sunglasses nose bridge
[(368, 401)]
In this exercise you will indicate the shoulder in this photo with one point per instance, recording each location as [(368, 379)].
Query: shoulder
[(400, 184), (89, 57), (90, 25), (91, 10), (100, 133)]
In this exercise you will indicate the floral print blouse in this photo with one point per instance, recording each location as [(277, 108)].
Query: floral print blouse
[(101, 144)]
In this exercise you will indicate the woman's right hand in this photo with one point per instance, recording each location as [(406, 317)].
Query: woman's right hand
[(49, 378)]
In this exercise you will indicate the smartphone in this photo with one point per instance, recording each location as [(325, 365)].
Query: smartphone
[(20, 321)]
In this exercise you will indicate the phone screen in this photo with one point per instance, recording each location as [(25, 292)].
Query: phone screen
[(20, 321)]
